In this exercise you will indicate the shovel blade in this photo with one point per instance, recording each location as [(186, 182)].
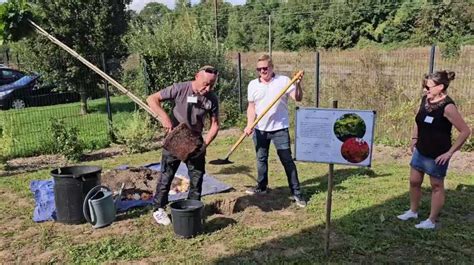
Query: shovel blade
[(220, 162)]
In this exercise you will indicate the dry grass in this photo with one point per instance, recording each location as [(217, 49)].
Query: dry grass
[(385, 81)]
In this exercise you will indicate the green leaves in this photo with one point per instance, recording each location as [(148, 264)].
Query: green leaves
[(14, 16), (66, 140)]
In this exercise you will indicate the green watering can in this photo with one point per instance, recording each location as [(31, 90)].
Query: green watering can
[(99, 207)]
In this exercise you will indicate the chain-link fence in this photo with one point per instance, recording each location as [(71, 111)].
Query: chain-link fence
[(33, 102), (386, 81)]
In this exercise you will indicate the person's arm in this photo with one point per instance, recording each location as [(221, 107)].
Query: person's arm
[(154, 101), (453, 115), (250, 118), (213, 130), (297, 94), (414, 134), (414, 138)]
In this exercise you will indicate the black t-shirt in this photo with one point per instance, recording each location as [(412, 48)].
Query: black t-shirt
[(434, 130), (186, 110)]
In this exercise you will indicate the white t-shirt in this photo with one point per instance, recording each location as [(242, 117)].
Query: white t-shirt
[(263, 95)]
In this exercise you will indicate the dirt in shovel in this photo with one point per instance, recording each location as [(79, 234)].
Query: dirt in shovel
[(140, 182)]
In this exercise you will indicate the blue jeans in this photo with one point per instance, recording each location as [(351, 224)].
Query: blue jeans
[(281, 140)]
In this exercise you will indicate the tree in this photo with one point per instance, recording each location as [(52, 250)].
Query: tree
[(238, 37), (154, 12), (96, 29), (445, 23), (174, 48), (401, 25), (294, 25)]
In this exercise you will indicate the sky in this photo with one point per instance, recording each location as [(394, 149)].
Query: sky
[(139, 4)]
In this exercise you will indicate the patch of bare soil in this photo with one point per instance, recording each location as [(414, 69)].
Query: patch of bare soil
[(139, 182), (28, 164), (461, 162), (231, 132)]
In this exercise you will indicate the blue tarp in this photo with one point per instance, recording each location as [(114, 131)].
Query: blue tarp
[(45, 208), (43, 193)]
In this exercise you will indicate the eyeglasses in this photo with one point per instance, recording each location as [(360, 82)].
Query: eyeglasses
[(429, 87), (262, 69)]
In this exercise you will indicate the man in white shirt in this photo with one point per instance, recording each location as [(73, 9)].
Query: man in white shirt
[(273, 126)]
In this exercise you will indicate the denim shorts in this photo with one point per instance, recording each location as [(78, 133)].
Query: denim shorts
[(428, 165)]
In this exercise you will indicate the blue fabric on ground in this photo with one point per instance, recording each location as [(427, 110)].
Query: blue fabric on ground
[(43, 193), (210, 185), (45, 208)]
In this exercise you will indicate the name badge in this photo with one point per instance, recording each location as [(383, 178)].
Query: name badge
[(192, 99), (429, 119)]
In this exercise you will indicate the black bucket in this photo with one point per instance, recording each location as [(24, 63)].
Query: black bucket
[(187, 217), (71, 185)]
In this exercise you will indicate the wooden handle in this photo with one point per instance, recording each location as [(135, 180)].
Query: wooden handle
[(95, 69), (282, 92)]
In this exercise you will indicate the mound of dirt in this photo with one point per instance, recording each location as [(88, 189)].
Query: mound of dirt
[(140, 182)]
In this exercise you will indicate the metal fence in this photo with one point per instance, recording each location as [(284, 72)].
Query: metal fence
[(385, 81), (31, 104)]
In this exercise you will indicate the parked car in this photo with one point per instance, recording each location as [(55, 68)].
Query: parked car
[(8, 75), (27, 91)]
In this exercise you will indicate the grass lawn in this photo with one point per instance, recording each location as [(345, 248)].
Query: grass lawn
[(29, 127), (269, 229)]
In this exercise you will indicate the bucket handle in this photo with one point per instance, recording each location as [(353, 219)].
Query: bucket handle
[(79, 176), (85, 205)]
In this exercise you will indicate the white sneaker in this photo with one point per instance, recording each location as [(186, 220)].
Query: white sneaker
[(408, 215), (161, 217), (426, 224)]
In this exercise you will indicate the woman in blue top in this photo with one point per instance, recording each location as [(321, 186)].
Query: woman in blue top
[(431, 144)]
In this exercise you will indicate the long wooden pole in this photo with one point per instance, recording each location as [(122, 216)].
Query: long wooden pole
[(95, 69), (282, 92), (327, 237)]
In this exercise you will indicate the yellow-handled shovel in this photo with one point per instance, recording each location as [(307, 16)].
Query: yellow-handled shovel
[(283, 91)]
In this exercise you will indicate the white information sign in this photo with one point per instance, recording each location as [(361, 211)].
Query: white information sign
[(334, 136)]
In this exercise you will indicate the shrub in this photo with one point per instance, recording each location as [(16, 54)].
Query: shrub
[(172, 50), (230, 115), (66, 140), (137, 134), (6, 142)]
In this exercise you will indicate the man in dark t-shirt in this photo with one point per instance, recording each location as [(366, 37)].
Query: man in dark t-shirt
[(193, 102)]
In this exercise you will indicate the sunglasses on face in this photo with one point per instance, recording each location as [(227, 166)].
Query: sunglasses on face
[(259, 69), (429, 87)]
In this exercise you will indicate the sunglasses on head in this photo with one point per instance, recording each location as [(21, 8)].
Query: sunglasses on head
[(210, 70), (262, 69)]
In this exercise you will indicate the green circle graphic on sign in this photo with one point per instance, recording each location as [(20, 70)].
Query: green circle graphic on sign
[(349, 125)]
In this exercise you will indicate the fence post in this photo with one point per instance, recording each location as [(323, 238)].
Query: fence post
[(270, 35), (239, 66), (107, 101), (317, 80), (432, 58)]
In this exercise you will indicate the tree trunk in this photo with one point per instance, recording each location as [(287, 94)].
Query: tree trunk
[(83, 102)]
